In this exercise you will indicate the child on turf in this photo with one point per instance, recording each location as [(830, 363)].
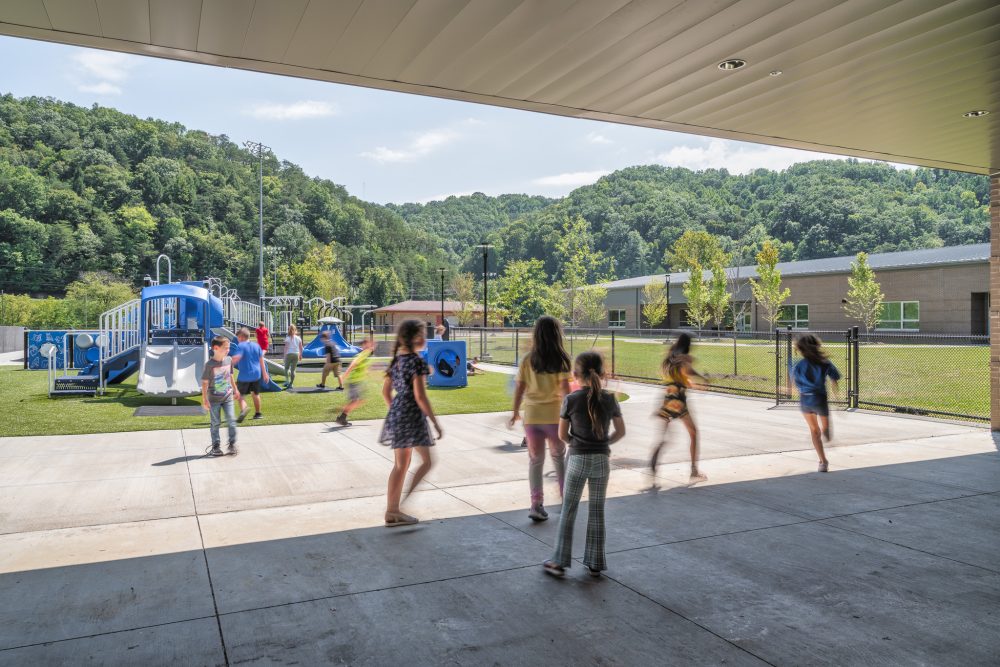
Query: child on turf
[(542, 381), (810, 374), (356, 374), (679, 375), (293, 354), (405, 427), (218, 389), (584, 419)]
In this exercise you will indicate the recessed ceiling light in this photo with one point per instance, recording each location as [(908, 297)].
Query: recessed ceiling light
[(732, 63), (774, 72), (976, 114)]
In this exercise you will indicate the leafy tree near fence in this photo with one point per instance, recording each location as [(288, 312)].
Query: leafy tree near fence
[(464, 286), (697, 294), (94, 293), (656, 302), (718, 293), (767, 288), (864, 294)]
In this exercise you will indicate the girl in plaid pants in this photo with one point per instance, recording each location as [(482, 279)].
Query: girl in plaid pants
[(584, 421)]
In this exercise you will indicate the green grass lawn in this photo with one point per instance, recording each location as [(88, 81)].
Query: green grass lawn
[(27, 409), (945, 378)]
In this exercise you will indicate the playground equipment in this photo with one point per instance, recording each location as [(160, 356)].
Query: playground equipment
[(315, 348), (447, 360), (164, 336)]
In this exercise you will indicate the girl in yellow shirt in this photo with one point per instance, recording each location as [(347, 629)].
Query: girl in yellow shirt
[(542, 382)]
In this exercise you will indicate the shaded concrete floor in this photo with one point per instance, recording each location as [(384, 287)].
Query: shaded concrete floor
[(133, 548)]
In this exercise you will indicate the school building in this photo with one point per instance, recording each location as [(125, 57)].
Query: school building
[(425, 311), (938, 290)]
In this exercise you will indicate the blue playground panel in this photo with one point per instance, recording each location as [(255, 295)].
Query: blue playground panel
[(447, 360), (36, 362)]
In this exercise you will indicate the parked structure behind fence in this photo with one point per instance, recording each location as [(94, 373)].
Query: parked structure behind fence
[(937, 375)]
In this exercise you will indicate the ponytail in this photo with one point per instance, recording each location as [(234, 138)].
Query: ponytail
[(590, 369)]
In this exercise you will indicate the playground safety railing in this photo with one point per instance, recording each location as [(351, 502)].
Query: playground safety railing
[(120, 331), (239, 313)]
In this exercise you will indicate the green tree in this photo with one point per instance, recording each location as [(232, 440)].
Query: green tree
[(381, 285), (316, 275), (656, 303), (767, 288), (695, 248), (864, 294), (718, 294), (589, 305), (697, 294), (523, 291), (94, 293), (464, 286)]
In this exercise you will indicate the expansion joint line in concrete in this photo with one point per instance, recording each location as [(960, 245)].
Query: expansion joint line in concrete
[(204, 554), (109, 632)]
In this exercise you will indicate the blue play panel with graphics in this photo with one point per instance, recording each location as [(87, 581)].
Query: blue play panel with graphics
[(447, 361)]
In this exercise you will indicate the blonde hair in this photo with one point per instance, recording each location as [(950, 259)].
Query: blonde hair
[(292, 330)]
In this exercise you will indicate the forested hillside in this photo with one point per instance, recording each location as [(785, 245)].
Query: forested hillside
[(93, 189), (816, 209)]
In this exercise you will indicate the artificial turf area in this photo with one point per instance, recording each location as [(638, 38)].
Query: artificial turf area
[(934, 378), (27, 409)]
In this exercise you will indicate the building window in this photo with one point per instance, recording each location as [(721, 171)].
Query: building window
[(743, 321), (795, 316), (616, 318), (899, 316)]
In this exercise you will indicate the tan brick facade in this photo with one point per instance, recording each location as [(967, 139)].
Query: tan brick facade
[(995, 301)]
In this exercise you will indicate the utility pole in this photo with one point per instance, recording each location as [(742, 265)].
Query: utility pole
[(486, 282), (259, 148)]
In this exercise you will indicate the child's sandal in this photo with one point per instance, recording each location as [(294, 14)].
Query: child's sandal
[(553, 568)]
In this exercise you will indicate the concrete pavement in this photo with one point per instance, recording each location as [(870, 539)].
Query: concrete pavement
[(134, 548)]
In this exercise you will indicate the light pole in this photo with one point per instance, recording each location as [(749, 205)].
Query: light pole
[(441, 272), (259, 148), (485, 247)]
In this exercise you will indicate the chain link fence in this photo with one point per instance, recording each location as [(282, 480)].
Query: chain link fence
[(922, 374)]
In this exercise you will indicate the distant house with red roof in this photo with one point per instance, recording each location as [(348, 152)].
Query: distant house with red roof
[(425, 311)]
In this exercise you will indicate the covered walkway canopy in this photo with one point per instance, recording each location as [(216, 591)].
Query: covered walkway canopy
[(904, 81)]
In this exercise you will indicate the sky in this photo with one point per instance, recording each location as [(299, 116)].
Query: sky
[(382, 146)]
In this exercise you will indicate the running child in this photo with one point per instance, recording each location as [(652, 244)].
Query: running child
[(584, 419), (679, 375), (218, 389), (405, 428), (810, 375), (356, 374), (293, 354), (332, 364), (542, 382), (249, 360)]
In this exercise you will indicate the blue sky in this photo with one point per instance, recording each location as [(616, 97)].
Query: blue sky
[(382, 146)]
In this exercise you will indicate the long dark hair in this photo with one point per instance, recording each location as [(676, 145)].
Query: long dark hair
[(589, 369), (678, 356), (407, 331), (547, 352), (811, 349)]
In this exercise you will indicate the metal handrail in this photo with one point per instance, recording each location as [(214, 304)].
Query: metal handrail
[(120, 331)]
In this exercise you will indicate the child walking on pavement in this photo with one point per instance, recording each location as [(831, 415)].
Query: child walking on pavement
[(584, 419), (542, 382), (293, 354), (810, 375), (679, 375), (356, 374), (218, 390), (405, 428)]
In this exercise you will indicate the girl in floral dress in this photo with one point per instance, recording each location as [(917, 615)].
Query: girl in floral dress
[(406, 427), (678, 374)]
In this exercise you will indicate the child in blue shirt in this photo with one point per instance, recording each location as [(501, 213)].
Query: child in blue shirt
[(810, 375)]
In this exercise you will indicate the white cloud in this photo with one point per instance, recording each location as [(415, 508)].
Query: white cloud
[(445, 196), (598, 138), (102, 88), (421, 145), (736, 157), (101, 72), (570, 179), (291, 111)]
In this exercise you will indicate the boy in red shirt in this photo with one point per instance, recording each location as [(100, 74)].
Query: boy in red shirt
[(263, 337)]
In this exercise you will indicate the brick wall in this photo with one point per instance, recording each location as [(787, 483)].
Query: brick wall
[(995, 301)]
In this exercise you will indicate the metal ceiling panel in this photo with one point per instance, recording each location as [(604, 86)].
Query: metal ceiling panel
[(24, 12), (223, 27), (124, 19), (887, 79), (272, 27), (175, 23), (76, 16)]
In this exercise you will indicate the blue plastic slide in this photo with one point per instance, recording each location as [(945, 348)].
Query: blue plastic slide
[(116, 369), (315, 350)]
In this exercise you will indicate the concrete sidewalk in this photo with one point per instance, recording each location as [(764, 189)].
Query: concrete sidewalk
[(134, 548)]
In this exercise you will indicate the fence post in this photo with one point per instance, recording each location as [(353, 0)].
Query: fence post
[(612, 353), (855, 351), (777, 366), (517, 346), (850, 368)]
